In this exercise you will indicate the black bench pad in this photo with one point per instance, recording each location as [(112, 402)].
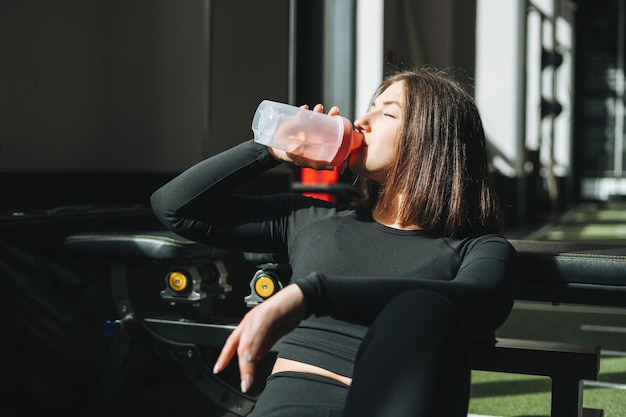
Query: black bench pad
[(571, 272), (162, 246)]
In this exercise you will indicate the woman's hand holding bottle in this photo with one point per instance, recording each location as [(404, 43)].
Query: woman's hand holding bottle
[(297, 156)]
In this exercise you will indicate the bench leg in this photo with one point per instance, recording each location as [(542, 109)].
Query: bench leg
[(567, 398)]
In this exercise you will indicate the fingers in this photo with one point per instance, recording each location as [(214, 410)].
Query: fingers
[(298, 160), (246, 360), (334, 111), (247, 368), (319, 108), (248, 356), (302, 162), (228, 351), (259, 330), (307, 163), (246, 341)]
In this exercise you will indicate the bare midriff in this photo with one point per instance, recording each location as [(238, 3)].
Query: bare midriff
[(288, 365)]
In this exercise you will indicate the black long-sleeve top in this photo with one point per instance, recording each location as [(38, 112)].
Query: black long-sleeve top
[(347, 265)]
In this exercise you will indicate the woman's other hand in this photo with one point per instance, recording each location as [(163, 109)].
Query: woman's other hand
[(259, 330)]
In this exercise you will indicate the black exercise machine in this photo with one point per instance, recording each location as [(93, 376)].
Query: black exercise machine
[(196, 276)]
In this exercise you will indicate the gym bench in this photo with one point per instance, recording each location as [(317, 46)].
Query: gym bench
[(196, 274)]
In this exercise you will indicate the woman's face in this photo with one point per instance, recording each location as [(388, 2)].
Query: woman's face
[(380, 127)]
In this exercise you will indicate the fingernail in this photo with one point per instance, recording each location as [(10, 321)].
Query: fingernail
[(216, 368), (245, 384)]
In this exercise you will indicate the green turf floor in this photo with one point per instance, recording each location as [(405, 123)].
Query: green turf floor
[(589, 222), (509, 395), (521, 395)]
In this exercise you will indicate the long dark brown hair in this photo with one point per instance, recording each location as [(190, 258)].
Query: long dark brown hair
[(441, 166)]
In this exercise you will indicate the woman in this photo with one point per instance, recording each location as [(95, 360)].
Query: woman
[(385, 298)]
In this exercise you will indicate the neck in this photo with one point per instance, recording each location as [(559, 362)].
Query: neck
[(388, 216)]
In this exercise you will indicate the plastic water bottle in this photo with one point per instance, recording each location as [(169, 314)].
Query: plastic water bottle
[(313, 135)]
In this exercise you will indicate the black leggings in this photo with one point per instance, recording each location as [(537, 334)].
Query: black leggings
[(414, 361)]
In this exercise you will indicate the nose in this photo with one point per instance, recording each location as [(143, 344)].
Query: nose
[(362, 123)]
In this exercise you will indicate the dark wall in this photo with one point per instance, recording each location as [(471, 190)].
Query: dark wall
[(108, 99)]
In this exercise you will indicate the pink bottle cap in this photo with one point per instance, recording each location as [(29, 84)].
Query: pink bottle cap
[(350, 140)]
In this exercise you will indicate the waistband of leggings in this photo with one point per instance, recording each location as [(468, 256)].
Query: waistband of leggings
[(306, 376)]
